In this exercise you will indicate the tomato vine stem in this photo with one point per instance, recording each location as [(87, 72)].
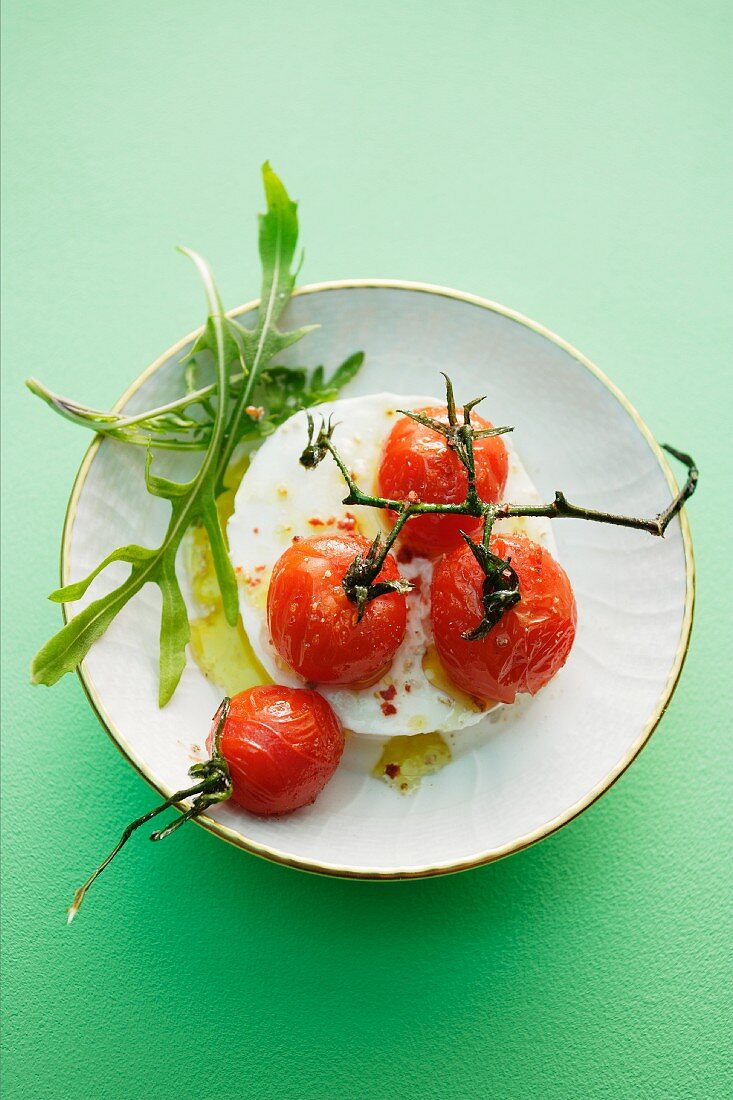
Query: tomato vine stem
[(214, 785), (501, 585)]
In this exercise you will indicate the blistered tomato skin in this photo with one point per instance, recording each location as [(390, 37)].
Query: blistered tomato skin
[(531, 641), (313, 623), (418, 460), (282, 746)]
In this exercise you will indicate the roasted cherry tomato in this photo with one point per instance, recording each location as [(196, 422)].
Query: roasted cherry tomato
[(530, 642), (282, 745), (313, 623), (418, 460)]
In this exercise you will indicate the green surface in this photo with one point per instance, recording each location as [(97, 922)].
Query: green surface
[(567, 159)]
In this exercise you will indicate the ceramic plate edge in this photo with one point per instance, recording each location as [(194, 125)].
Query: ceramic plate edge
[(491, 855)]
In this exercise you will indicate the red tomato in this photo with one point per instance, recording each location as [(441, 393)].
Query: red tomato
[(282, 746), (418, 460), (530, 642), (313, 623)]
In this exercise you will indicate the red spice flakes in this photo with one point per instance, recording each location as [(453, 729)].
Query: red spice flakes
[(408, 687), (255, 412), (348, 523), (238, 570), (389, 693), (259, 568), (392, 770), (255, 530), (388, 708), (405, 555), (297, 538)]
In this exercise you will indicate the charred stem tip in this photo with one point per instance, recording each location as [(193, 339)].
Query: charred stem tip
[(469, 407), (688, 461), (684, 494)]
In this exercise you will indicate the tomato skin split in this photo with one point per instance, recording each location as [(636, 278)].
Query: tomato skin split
[(313, 623), (282, 745), (417, 460), (531, 641)]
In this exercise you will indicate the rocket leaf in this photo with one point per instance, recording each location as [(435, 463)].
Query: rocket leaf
[(228, 344), (190, 501)]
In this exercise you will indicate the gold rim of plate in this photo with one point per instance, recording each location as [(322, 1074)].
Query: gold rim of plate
[(489, 856)]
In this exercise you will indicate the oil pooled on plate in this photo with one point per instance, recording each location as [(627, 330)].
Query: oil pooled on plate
[(406, 760), (222, 652)]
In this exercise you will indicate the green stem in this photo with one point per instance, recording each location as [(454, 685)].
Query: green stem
[(110, 423), (232, 431), (489, 519), (179, 796), (213, 786), (561, 508), (358, 496)]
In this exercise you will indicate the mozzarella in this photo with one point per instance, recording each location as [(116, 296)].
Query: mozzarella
[(279, 499)]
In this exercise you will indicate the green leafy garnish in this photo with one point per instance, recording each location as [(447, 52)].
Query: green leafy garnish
[(190, 501), (215, 419), (280, 391)]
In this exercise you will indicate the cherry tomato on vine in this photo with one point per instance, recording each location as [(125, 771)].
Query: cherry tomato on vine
[(531, 641), (271, 749), (313, 623), (282, 745), (418, 460)]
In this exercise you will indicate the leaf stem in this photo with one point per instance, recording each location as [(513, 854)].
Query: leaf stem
[(111, 423)]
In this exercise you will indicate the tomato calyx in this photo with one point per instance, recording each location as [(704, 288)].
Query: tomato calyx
[(214, 785), (215, 781), (359, 577), (460, 437), (499, 591)]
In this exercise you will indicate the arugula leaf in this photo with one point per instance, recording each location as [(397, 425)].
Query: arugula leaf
[(278, 239), (161, 428), (190, 501), (215, 419), (343, 374), (280, 390)]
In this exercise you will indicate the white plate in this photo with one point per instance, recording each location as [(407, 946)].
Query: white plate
[(531, 767)]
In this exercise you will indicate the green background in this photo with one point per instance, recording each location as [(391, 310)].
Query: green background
[(567, 159)]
